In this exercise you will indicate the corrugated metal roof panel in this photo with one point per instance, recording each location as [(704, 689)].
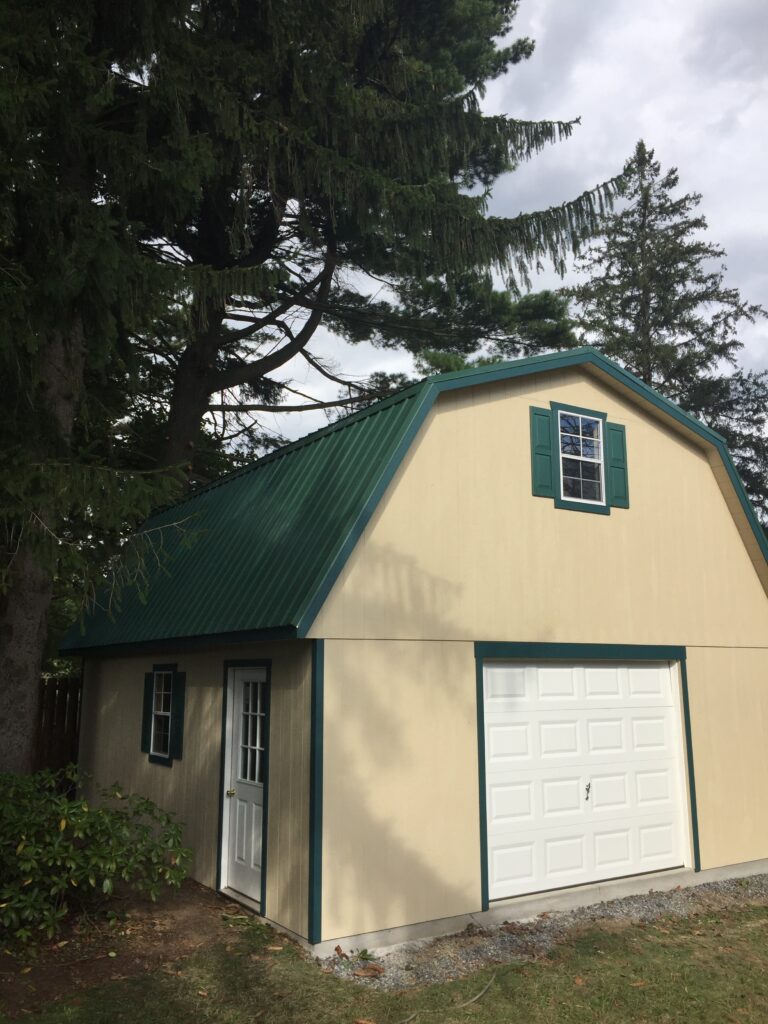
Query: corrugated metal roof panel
[(249, 551)]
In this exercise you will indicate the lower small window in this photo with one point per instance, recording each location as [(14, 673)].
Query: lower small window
[(161, 714), (162, 718)]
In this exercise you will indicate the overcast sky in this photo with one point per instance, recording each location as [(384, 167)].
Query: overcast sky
[(690, 78)]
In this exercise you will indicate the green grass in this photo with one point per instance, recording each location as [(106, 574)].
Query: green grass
[(711, 968)]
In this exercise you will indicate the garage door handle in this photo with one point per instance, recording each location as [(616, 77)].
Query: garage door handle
[(589, 786)]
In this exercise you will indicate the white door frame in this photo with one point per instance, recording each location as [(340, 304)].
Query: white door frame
[(228, 712)]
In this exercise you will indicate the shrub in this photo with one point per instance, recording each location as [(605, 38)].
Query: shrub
[(58, 853)]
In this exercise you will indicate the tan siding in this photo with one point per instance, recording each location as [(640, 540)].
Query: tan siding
[(729, 716), (460, 549), (401, 807), (110, 750)]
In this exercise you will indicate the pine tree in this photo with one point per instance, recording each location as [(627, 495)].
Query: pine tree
[(355, 154), (187, 190), (656, 300)]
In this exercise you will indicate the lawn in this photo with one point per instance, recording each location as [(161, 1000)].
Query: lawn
[(708, 968)]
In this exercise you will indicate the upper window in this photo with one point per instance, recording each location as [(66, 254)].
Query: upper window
[(578, 459), (582, 467), (162, 720)]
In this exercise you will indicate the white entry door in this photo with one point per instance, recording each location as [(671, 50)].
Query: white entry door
[(246, 779), (584, 774)]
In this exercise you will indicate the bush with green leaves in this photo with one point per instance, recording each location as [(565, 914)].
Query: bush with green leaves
[(59, 853)]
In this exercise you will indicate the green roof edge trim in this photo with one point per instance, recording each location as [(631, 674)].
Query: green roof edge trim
[(172, 643), (433, 387)]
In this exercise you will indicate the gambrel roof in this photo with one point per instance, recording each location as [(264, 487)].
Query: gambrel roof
[(257, 552)]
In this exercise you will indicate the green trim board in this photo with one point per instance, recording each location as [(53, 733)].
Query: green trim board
[(537, 651), (480, 710), (315, 887), (223, 782), (488, 650), (293, 517), (689, 759)]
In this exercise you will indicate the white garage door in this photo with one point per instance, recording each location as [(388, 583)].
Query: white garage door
[(584, 774)]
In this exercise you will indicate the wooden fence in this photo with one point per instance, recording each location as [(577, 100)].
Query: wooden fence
[(59, 722)]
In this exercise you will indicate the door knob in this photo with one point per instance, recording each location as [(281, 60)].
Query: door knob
[(230, 792)]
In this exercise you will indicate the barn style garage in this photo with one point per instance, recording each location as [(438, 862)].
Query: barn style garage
[(503, 633)]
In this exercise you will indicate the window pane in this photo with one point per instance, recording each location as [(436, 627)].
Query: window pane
[(590, 428), (259, 697), (243, 762), (246, 697), (260, 772), (570, 445), (160, 735), (572, 468), (569, 424), (252, 766), (590, 490), (571, 487), (590, 470), (590, 449)]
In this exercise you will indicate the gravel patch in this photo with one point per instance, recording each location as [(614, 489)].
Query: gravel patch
[(432, 961)]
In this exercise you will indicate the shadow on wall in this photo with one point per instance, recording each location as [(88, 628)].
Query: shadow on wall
[(401, 821), (397, 589)]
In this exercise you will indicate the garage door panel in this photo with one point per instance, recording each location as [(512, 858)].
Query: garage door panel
[(547, 686), (564, 736), (586, 789)]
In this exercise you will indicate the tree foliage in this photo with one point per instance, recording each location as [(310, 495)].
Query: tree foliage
[(188, 191), (655, 299)]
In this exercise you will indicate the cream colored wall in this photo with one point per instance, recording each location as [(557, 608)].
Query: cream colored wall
[(110, 750), (460, 549), (400, 814), (728, 693)]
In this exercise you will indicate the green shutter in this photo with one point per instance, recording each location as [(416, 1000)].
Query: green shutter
[(177, 715), (146, 714), (616, 465), (542, 463)]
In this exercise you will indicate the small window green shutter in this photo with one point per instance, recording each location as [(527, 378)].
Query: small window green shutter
[(146, 714), (616, 462), (177, 715), (542, 464)]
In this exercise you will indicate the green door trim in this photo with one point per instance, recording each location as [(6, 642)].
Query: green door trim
[(507, 651)]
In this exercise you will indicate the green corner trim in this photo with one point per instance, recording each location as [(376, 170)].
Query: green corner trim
[(691, 774), (490, 650), (480, 702), (315, 907)]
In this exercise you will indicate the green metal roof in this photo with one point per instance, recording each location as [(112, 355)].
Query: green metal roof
[(259, 550)]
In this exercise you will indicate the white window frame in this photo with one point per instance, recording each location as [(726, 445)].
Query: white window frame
[(161, 714), (582, 458)]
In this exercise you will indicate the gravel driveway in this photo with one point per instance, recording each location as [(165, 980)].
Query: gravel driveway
[(453, 956)]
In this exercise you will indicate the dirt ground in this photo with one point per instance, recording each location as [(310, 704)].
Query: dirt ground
[(146, 937)]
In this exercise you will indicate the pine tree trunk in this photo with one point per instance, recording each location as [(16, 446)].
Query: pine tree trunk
[(25, 606), (23, 629), (191, 395)]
